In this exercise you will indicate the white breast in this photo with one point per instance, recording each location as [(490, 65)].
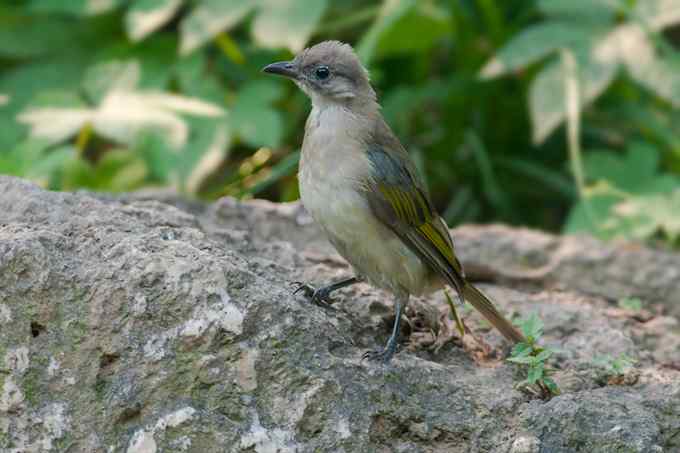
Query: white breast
[(332, 167)]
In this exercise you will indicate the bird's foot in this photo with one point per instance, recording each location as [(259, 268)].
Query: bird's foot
[(320, 297), (380, 355)]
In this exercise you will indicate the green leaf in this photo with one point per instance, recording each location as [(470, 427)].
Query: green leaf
[(532, 327), (624, 172), (656, 126), (634, 172), (32, 36), (657, 13), (404, 26), (105, 77), (659, 76), (403, 105), (642, 216), (211, 160), (120, 171), (75, 7), (20, 158), (159, 157), (263, 91), (552, 386), (116, 171), (146, 16), (591, 216), (194, 80), (189, 70), (531, 45), (257, 125), (603, 361), (33, 160), (590, 11), (277, 23), (630, 303), (617, 365), (390, 13), (599, 50), (630, 198), (535, 373), (121, 116), (76, 174), (210, 18), (547, 96), (544, 355), (521, 349), (156, 58), (47, 169), (287, 23), (525, 359), (252, 118), (540, 173), (57, 98), (205, 133), (26, 83), (634, 44)]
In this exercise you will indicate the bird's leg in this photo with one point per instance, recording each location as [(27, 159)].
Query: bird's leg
[(385, 354), (322, 296)]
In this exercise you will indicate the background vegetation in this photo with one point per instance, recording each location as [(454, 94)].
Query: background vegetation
[(548, 113)]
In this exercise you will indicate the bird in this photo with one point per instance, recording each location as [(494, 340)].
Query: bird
[(361, 187)]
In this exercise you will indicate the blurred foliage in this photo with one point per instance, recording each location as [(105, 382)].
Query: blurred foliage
[(547, 113)]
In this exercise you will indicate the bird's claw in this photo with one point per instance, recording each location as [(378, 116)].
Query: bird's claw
[(378, 355), (300, 287), (320, 297)]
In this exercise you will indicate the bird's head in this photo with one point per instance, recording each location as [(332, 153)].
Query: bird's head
[(329, 72)]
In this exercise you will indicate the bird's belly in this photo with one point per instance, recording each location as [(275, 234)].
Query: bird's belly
[(374, 251)]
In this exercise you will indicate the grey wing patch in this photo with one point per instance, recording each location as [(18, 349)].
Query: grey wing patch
[(387, 169)]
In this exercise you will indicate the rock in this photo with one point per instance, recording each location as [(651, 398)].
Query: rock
[(526, 444), (133, 325), (613, 271)]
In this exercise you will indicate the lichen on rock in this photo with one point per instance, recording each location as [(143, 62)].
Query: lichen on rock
[(130, 324)]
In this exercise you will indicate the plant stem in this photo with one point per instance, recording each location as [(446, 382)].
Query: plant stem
[(571, 89)]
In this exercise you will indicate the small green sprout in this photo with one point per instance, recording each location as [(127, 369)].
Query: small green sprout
[(630, 303), (615, 366), (534, 357)]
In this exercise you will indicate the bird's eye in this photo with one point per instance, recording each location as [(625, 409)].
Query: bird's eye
[(322, 72)]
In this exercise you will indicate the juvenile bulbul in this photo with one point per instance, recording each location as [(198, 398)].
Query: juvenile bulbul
[(360, 185)]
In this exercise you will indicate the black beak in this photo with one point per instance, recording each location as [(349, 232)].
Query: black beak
[(284, 68)]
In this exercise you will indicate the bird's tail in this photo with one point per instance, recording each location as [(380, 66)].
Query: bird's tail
[(488, 310)]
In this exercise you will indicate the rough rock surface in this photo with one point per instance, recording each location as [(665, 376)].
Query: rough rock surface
[(133, 325)]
